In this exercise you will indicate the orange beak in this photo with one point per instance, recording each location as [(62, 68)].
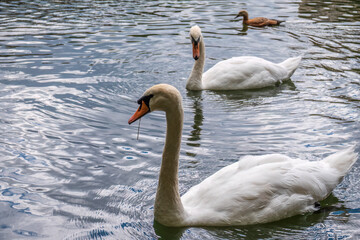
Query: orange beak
[(141, 111), (196, 51)]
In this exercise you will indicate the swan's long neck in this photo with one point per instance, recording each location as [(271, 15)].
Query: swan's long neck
[(194, 82), (168, 207)]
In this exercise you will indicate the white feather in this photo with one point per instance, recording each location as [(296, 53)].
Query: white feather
[(260, 189), (246, 73)]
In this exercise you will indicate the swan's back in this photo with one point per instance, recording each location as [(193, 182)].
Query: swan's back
[(263, 189), (247, 73)]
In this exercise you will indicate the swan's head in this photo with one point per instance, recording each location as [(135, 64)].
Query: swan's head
[(242, 13), (161, 97), (196, 38)]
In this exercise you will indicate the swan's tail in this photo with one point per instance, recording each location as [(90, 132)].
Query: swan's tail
[(343, 160), (291, 65)]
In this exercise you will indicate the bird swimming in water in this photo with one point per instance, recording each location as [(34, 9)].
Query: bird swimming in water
[(258, 21)]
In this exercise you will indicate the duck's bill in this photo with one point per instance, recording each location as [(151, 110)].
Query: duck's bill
[(140, 112), (196, 51)]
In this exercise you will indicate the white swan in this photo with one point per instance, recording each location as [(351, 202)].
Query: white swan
[(237, 72), (256, 189)]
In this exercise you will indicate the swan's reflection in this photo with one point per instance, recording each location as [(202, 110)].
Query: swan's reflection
[(236, 98), (164, 232), (232, 100), (195, 134)]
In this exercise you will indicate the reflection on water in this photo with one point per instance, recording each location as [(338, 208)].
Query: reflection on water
[(236, 99), (70, 75), (169, 232), (334, 11), (195, 134)]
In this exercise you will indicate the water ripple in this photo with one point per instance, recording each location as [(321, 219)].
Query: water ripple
[(70, 75)]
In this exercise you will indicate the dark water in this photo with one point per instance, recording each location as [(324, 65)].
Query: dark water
[(71, 71)]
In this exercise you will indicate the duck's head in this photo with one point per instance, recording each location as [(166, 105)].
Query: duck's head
[(242, 13), (161, 97), (196, 38)]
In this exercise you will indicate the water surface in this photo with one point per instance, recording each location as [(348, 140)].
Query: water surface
[(70, 75)]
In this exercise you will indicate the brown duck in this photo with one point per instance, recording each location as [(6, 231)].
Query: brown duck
[(258, 21)]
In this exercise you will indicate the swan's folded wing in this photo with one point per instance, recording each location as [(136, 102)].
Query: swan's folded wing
[(250, 161), (243, 73), (267, 190)]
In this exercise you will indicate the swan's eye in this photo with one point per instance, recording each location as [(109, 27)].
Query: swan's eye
[(146, 100), (195, 41)]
